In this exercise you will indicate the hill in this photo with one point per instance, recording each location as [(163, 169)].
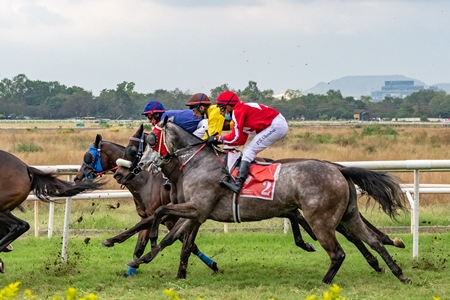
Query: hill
[(357, 86)]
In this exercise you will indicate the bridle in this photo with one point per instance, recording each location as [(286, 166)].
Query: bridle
[(135, 169), (96, 164), (160, 160)]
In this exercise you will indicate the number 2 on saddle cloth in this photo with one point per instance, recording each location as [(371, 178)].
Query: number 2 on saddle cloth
[(261, 180)]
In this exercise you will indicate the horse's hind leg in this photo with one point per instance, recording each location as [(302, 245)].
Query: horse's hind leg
[(204, 258), (385, 239), (329, 242), (17, 228), (362, 232), (370, 258), (326, 236)]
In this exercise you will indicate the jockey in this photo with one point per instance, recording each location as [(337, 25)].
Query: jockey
[(268, 124), (201, 106), (155, 112)]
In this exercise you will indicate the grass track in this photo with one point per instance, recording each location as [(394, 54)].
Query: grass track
[(254, 266)]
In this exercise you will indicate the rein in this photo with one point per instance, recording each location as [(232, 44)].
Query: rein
[(135, 164)]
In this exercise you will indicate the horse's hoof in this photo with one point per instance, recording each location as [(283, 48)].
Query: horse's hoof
[(407, 281), (398, 242), (2, 267), (107, 244), (181, 275), (309, 247), (214, 267), (8, 248), (132, 264), (382, 271)]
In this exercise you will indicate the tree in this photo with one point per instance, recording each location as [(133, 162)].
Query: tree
[(215, 92)]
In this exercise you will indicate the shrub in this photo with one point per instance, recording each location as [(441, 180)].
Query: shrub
[(26, 147), (12, 291)]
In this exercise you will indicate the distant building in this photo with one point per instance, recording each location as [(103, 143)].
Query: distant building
[(396, 89)]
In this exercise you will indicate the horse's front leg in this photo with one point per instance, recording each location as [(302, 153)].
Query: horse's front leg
[(142, 225), (188, 244), (176, 233), (183, 210), (139, 249)]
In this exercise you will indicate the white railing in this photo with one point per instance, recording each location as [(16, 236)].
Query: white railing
[(412, 191)]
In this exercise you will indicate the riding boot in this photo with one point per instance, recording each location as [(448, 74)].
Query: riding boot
[(236, 185)]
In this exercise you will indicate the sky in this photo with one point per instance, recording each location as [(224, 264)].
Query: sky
[(198, 45)]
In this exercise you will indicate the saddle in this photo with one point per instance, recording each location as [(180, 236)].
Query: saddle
[(262, 177)]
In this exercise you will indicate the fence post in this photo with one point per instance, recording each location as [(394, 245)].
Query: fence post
[(66, 228), (51, 214), (36, 218), (416, 214)]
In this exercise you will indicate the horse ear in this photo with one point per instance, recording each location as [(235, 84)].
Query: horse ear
[(98, 139), (166, 119), (139, 132)]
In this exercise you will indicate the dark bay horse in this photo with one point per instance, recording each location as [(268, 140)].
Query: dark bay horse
[(17, 180), (324, 191), (147, 190)]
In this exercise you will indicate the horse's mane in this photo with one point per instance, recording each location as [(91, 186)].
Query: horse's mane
[(115, 144), (182, 129)]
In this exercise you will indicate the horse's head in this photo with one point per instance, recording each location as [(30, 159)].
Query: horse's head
[(170, 138), (98, 160), (92, 164), (128, 165)]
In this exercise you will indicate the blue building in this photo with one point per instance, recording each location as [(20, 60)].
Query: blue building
[(396, 89)]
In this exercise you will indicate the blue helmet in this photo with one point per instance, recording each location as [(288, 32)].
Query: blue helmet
[(152, 107)]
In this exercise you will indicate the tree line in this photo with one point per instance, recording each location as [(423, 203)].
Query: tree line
[(21, 97)]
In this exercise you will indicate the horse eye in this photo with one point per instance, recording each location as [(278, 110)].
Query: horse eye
[(131, 151), (88, 158)]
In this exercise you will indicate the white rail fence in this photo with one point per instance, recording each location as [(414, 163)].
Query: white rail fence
[(412, 191)]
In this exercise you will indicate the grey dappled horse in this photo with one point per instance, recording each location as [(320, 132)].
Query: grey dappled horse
[(324, 191)]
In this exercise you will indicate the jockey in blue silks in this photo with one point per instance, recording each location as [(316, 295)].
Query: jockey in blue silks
[(155, 112)]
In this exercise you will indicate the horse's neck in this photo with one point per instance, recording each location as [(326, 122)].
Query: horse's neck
[(171, 170), (111, 153)]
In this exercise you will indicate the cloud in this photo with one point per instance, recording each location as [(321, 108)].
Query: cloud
[(202, 44)]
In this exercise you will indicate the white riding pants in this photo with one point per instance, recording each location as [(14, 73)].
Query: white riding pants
[(276, 131)]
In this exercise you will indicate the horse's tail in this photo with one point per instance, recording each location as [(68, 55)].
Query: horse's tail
[(382, 187), (45, 185)]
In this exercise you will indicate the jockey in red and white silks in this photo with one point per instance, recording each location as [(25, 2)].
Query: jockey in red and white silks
[(249, 118), (268, 124)]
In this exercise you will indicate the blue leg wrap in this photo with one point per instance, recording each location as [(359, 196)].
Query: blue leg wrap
[(131, 272), (204, 258)]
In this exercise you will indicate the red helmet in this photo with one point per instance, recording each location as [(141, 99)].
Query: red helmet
[(198, 99), (227, 98)]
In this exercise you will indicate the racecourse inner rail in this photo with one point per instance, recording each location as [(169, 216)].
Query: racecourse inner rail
[(412, 192)]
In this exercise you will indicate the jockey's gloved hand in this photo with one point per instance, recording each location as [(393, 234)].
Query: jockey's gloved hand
[(213, 140)]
